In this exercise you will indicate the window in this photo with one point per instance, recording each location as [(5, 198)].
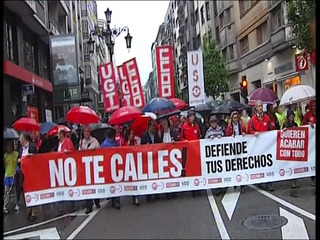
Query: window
[(215, 8), (244, 5), (202, 15), (85, 26), (192, 19), (217, 35), (197, 16), (244, 45), (224, 55), (227, 16), (221, 22), (231, 52), (277, 18), (87, 72), (262, 33), (9, 42), (207, 11), (29, 60)]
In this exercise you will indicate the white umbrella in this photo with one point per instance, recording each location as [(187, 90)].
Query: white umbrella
[(298, 93)]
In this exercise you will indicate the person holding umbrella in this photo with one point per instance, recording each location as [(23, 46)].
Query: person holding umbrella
[(110, 141), (89, 142)]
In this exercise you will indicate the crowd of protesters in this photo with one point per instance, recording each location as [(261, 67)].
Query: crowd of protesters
[(168, 130)]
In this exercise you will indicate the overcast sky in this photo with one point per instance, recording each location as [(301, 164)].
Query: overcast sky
[(143, 19)]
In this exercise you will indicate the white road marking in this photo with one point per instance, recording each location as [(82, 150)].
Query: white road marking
[(49, 233), (85, 222), (217, 216), (230, 200), (295, 228), (285, 203), (74, 214)]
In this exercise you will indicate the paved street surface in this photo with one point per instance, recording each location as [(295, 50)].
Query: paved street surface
[(255, 214)]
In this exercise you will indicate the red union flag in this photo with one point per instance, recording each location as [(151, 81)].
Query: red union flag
[(165, 66), (134, 84), (125, 92), (109, 87)]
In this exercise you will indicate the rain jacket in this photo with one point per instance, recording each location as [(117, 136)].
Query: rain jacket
[(259, 125), (190, 132), (310, 117)]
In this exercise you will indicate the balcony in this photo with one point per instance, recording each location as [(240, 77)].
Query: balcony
[(278, 40), (58, 7), (181, 8), (232, 67), (182, 29)]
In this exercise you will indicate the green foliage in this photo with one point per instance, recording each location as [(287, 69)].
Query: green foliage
[(215, 71), (300, 13)]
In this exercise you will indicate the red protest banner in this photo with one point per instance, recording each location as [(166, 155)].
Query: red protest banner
[(165, 68), (110, 166), (109, 87), (293, 144), (125, 91), (136, 92)]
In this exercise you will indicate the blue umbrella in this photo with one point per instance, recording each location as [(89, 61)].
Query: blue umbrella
[(158, 105), (45, 127)]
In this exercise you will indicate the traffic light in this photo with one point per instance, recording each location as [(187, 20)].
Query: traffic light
[(244, 88)]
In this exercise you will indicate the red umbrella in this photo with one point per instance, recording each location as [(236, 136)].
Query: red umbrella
[(179, 103), (265, 95), (124, 115), (82, 115), (56, 129), (26, 125), (140, 125)]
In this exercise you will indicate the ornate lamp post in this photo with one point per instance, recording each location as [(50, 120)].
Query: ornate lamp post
[(109, 35)]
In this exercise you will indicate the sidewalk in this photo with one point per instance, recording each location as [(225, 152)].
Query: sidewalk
[(18, 219)]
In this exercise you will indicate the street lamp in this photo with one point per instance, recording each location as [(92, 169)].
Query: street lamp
[(109, 35)]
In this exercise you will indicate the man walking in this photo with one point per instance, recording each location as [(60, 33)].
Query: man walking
[(111, 142), (89, 142)]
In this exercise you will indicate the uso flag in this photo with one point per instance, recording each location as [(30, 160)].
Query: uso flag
[(109, 87)]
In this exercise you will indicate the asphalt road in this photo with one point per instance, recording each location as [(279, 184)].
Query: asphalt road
[(208, 216)]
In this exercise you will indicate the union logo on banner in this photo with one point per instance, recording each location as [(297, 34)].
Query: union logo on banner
[(301, 62), (293, 144)]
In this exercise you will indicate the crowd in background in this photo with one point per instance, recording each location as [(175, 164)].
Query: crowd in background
[(167, 130)]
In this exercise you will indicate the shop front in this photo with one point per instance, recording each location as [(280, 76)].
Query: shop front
[(283, 71), (15, 104)]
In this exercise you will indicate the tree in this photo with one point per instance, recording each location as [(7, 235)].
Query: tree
[(215, 72), (300, 15)]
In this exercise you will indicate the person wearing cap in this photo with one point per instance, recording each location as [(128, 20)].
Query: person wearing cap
[(290, 123), (260, 122), (175, 124), (191, 131), (271, 112), (214, 130)]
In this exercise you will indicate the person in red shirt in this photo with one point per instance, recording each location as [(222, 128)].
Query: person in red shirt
[(310, 116), (190, 130), (65, 144), (273, 118), (260, 122)]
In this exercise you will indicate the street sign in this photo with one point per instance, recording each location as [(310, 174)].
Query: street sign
[(28, 89)]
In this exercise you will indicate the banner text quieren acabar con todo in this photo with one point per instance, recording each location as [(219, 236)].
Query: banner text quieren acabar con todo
[(162, 168)]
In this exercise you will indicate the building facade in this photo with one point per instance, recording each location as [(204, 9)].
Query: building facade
[(103, 57), (27, 57), (89, 21)]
